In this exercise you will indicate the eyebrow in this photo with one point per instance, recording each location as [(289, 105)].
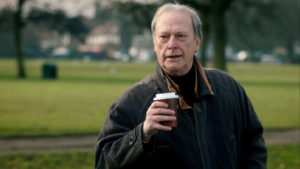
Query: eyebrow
[(167, 32)]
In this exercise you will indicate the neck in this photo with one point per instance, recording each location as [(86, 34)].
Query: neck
[(187, 79), (186, 85)]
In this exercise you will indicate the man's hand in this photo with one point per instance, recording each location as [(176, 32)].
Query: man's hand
[(157, 113)]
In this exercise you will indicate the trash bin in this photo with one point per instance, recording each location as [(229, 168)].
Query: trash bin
[(49, 71)]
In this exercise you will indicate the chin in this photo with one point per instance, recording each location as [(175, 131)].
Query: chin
[(173, 71), (176, 70)]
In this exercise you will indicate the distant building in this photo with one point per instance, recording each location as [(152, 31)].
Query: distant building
[(142, 47), (104, 37)]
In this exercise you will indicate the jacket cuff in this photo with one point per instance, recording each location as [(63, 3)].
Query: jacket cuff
[(148, 147)]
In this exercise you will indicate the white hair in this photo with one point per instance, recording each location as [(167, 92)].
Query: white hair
[(197, 24)]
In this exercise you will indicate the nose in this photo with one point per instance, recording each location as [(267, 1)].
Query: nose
[(172, 43)]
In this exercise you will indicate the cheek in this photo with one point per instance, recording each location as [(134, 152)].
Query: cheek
[(190, 49), (160, 49), (159, 53)]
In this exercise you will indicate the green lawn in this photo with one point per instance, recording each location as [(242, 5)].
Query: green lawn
[(274, 92), (280, 157), (77, 102)]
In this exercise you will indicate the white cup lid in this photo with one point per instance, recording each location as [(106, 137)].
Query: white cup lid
[(163, 96)]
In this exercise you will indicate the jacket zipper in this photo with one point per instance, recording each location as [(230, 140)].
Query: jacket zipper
[(197, 126)]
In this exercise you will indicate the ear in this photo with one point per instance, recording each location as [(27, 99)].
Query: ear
[(198, 43)]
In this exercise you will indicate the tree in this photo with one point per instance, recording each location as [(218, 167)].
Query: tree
[(218, 30), (263, 25), (57, 20), (249, 25), (6, 32), (18, 25), (213, 16), (268, 20), (140, 18), (205, 38), (289, 27), (212, 12)]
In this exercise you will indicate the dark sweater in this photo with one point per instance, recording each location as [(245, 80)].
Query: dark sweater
[(186, 85)]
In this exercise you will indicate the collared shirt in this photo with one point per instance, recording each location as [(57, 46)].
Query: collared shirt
[(175, 88)]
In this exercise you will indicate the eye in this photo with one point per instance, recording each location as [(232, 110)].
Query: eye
[(163, 36), (181, 35)]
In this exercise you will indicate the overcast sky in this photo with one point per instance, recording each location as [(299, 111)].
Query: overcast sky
[(72, 7)]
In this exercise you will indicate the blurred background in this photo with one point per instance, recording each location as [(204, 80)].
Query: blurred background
[(64, 62), (234, 30)]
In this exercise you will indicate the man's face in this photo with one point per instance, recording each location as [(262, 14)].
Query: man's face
[(175, 43)]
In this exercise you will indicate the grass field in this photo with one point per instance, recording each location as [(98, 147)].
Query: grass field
[(77, 102), (280, 157)]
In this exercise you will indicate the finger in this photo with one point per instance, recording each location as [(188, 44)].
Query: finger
[(157, 118), (162, 127), (163, 111), (159, 104), (163, 118)]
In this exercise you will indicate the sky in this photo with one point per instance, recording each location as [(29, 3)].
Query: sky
[(72, 7)]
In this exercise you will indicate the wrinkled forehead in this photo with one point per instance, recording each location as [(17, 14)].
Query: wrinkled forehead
[(174, 20)]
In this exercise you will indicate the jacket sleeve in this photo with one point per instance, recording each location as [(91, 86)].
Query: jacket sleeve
[(119, 144), (253, 150)]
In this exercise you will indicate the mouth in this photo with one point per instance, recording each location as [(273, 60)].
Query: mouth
[(173, 56)]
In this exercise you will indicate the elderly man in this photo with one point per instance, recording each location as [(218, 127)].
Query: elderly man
[(217, 125)]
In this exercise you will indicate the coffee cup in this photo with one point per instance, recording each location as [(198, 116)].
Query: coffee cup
[(172, 100)]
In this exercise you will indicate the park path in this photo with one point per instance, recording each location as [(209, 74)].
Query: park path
[(88, 143)]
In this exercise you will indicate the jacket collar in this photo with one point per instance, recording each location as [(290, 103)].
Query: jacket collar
[(161, 79), (203, 88)]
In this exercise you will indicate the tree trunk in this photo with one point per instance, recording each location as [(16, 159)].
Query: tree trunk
[(219, 39), (218, 29), (18, 40), (205, 39)]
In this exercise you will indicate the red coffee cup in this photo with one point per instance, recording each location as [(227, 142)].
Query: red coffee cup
[(172, 100)]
